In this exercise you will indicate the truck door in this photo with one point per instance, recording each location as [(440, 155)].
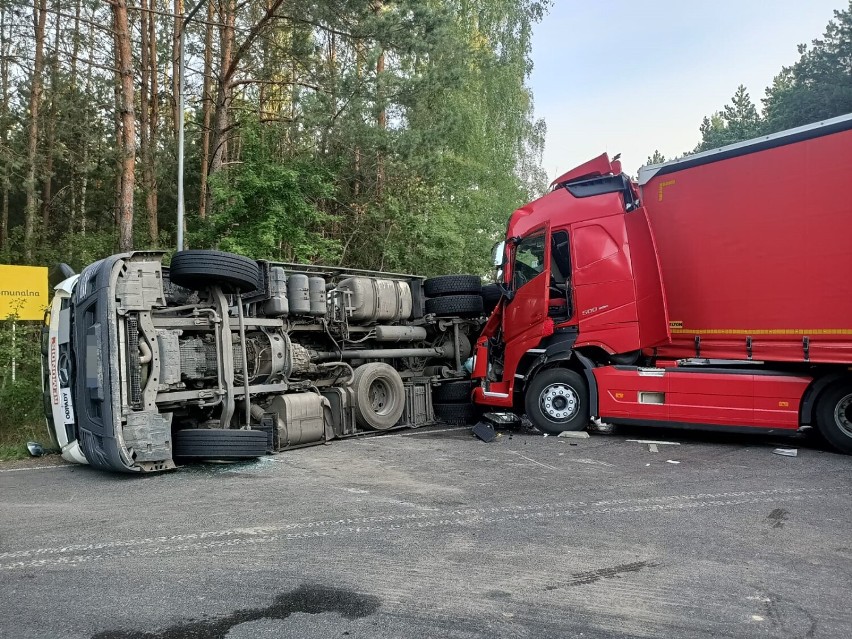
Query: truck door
[(526, 312)]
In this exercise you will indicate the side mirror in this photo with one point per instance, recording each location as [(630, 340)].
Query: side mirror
[(498, 253)]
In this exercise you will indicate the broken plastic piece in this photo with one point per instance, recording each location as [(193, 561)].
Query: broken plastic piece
[(485, 432), (574, 434), (36, 449), (787, 452), (672, 461)]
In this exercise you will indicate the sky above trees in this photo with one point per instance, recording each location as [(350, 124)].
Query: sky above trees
[(626, 77)]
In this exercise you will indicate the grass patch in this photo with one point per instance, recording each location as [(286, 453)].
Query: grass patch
[(13, 439)]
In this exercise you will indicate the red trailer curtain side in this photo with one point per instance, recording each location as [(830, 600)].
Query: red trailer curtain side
[(754, 246)]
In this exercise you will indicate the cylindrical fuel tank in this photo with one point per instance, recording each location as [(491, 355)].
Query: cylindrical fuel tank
[(369, 299), (316, 293), (277, 305), (400, 333), (298, 294)]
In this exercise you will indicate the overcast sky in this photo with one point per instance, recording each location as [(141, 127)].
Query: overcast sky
[(630, 77)]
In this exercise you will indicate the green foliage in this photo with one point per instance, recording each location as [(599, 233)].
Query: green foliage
[(656, 158), (737, 121), (21, 417), (819, 85), (269, 208)]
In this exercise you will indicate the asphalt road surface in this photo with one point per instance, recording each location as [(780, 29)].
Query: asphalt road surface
[(433, 533)]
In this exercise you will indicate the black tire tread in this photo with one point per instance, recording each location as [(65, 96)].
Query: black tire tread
[(202, 443), (456, 391), (540, 382), (458, 414), (826, 425), (450, 305), (198, 268), (452, 285)]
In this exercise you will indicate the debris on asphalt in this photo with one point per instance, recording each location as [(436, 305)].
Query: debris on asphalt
[(653, 444), (36, 449), (787, 452), (485, 432), (672, 461), (601, 427), (574, 434), (502, 419)]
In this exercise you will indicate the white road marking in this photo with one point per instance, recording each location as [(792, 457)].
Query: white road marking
[(18, 470), (513, 452)]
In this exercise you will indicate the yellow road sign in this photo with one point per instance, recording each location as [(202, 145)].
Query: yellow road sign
[(23, 291)]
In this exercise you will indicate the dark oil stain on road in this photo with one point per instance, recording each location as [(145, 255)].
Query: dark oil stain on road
[(312, 600), (590, 577), (777, 517)]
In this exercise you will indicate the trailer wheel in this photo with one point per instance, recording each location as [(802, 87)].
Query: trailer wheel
[(834, 416), (219, 443), (557, 400), (197, 269), (454, 305), (379, 396), (449, 392), (459, 414), (452, 285)]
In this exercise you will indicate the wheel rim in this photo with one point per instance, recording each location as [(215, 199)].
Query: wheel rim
[(380, 395), (560, 402), (843, 415)]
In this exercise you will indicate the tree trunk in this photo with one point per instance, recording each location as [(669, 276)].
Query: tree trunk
[(144, 123), (127, 143), (31, 206), (207, 102), (231, 57), (178, 11), (381, 110), (150, 175), (50, 134), (4, 126), (223, 86)]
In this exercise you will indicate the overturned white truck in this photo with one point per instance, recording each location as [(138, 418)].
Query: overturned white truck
[(219, 356)]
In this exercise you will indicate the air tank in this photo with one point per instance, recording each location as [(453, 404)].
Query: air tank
[(277, 305), (317, 297), (298, 294)]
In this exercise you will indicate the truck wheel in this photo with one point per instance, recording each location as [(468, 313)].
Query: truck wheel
[(834, 416), (449, 392), (491, 295), (219, 443), (379, 396), (557, 400), (452, 285), (197, 269), (461, 414), (454, 305)]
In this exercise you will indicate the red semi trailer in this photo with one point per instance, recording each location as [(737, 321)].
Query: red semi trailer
[(715, 293)]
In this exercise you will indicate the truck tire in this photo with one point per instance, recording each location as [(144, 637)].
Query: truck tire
[(449, 392), (219, 443), (491, 295), (557, 400), (459, 414), (379, 396), (197, 269), (452, 285), (834, 416), (454, 305)]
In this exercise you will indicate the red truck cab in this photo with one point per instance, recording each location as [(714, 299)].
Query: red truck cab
[(713, 292)]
